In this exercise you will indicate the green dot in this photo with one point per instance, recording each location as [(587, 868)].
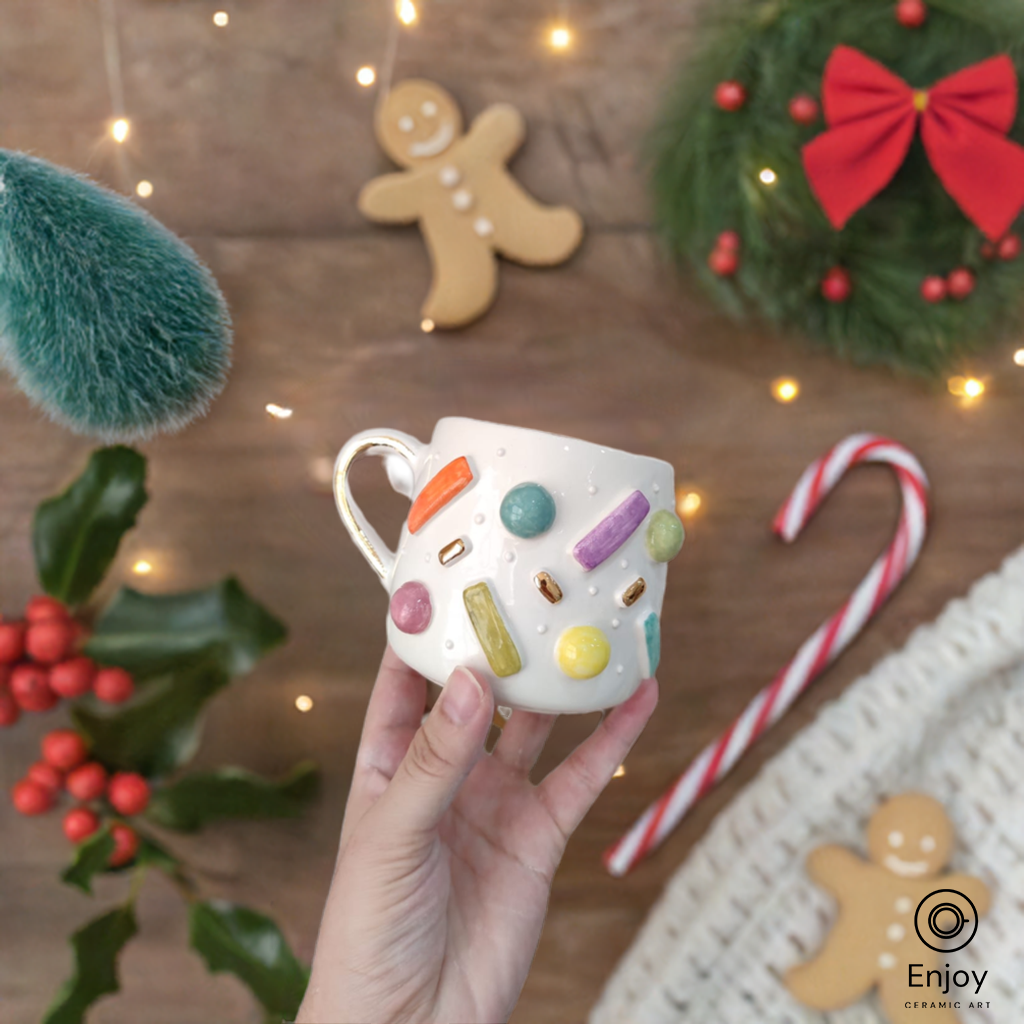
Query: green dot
[(664, 536), (528, 510)]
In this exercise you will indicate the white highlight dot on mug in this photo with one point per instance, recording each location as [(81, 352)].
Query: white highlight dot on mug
[(887, 961), (928, 844), (406, 123), (895, 932), (904, 905), (895, 840), (429, 109)]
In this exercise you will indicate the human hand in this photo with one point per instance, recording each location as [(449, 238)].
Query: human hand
[(448, 854)]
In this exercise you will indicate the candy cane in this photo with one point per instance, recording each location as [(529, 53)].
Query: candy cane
[(830, 640)]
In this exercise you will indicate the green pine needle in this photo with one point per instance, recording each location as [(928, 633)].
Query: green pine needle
[(705, 165)]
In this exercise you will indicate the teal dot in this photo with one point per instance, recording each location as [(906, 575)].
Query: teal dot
[(664, 536), (528, 510)]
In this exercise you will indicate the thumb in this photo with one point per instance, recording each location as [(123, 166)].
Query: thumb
[(441, 755)]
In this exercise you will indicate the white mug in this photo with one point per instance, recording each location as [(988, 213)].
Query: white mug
[(536, 560)]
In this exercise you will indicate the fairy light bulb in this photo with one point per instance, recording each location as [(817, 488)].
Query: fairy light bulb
[(304, 703), (785, 390), (688, 503), (426, 325), (560, 38), (144, 189), (221, 18), (768, 176), (1018, 357), (120, 129), (279, 412), (974, 388), (366, 76), (406, 11), (142, 567)]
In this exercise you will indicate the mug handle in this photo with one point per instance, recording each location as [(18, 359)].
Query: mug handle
[(382, 444)]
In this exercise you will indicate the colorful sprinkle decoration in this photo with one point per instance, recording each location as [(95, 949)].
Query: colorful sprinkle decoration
[(448, 483), (665, 535), (410, 607), (612, 532), (583, 652), (528, 510), (498, 646), (652, 636)]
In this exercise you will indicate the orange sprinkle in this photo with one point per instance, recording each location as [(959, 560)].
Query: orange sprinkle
[(445, 485)]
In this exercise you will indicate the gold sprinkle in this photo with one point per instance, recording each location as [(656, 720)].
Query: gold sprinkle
[(634, 592), (450, 552), (551, 591)]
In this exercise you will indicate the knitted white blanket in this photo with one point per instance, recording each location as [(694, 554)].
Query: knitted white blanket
[(944, 716)]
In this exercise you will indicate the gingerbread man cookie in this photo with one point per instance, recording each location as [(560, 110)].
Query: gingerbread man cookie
[(458, 188), (874, 941)]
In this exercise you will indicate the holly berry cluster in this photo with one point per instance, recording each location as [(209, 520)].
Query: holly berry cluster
[(39, 663), (65, 767)]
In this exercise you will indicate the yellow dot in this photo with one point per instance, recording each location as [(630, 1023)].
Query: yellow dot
[(220, 19), (406, 11), (785, 389), (560, 38), (144, 189), (768, 176), (619, 772), (1018, 357), (120, 129), (279, 412), (973, 388), (366, 76), (426, 325), (142, 567), (583, 652), (688, 503), (304, 703)]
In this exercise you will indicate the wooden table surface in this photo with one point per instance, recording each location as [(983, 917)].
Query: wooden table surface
[(257, 139)]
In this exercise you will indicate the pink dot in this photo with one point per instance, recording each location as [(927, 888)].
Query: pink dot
[(410, 607)]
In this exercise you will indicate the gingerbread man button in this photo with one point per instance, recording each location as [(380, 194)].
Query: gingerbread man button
[(469, 207), (898, 917)]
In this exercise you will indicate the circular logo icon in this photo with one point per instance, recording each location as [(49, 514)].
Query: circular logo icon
[(941, 920)]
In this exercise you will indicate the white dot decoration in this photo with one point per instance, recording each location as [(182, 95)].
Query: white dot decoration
[(656, 488), (928, 844), (624, 564), (429, 109), (895, 840), (500, 453), (593, 591), (887, 961), (895, 932), (616, 623), (406, 124), (449, 644), (591, 489), (620, 669), (510, 556), (904, 905), (542, 629), (478, 518)]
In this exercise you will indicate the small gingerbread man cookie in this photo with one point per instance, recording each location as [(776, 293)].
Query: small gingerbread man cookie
[(874, 940), (459, 190)]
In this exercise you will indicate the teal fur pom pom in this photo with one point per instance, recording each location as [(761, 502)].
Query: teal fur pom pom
[(108, 321)]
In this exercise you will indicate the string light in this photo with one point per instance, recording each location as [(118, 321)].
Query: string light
[(768, 176), (1018, 357), (304, 703), (221, 18), (688, 503), (120, 129), (142, 567), (144, 189), (560, 38), (426, 325), (619, 772), (279, 412), (366, 76), (406, 11), (966, 387), (785, 389)]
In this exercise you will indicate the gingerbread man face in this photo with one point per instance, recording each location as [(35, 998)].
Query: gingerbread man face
[(417, 121), (911, 836)]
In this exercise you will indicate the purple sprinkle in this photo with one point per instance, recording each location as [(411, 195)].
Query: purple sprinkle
[(612, 532), (410, 607)]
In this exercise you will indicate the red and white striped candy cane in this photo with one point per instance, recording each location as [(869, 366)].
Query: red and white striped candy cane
[(830, 640)]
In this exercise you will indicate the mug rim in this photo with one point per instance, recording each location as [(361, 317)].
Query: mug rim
[(550, 433)]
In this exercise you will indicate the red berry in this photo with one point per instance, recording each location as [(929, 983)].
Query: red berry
[(46, 775), (113, 685), (41, 608), (911, 13), (30, 687), (88, 781), (9, 710), (30, 798), (126, 844), (729, 241), (1009, 247), (128, 793), (960, 283), (804, 109), (12, 642), (50, 640), (730, 95), (723, 263), (837, 285), (72, 678), (80, 823), (933, 289), (64, 749)]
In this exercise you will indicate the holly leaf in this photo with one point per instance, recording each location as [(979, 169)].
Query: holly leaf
[(150, 634), (191, 802), (154, 854), (250, 946), (159, 730), (76, 534), (91, 858), (96, 947)]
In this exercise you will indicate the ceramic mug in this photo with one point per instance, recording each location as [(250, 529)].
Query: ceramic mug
[(539, 561)]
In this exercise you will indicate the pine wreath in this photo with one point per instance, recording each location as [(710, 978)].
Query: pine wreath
[(909, 280)]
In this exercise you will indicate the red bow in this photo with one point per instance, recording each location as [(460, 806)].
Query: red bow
[(872, 114)]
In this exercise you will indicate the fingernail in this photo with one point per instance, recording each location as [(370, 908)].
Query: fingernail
[(461, 696)]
